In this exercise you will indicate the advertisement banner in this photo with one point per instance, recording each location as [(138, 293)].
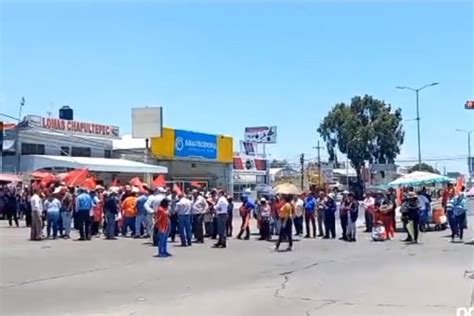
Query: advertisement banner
[(250, 163), (469, 105), (261, 134), (248, 148), (191, 144)]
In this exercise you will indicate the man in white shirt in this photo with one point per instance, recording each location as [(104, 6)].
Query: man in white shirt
[(221, 212), (199, 208), (369, 206), (298, 205), (151, 205), (183, 209), (36, 211)]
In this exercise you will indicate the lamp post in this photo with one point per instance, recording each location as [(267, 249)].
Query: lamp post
[(418, 111), (469, 164)]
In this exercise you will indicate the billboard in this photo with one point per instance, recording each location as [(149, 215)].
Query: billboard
[(193, 145), (147, 122), (248, 148), (261, 134), (243, 163), (469, 105)]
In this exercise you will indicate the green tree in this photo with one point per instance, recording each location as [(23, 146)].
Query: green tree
[(365, 130), (423, 167)]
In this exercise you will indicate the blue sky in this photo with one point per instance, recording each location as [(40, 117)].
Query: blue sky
[(220, 66)]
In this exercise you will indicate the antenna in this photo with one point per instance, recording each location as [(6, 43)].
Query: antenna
[(50, 112)]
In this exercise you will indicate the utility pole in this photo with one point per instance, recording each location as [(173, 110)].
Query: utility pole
[(318, 147), (302, 171)]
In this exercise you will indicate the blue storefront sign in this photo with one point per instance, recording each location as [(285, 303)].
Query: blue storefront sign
[(191, 144)]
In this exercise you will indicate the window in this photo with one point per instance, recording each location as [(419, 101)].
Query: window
[(107, 153), (32, 149), (65, 151), (80, 151)]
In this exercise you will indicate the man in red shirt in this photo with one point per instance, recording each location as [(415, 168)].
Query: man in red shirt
[(162, 227)]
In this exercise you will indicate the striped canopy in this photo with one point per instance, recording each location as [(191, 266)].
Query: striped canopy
[(417, 178)]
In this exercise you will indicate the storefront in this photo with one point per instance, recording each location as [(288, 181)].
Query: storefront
[(58, 145), (250, 175), (193, 157)]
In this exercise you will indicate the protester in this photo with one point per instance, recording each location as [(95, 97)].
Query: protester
[(245, 212), (392, 198), (413, 213), (330, 209), (209, 216), (36, 211), (353, 213), (344, 210), (230, 215), (221, 208), (425, 208), (151, 205), (321, 208), (298, 205), (129, 212), (310, 208), (212, 202), (11, 207), (97, 210), (52, 207), (141, 218), (276, 205), (111, 210), (369, 207), (265, 213), (25, 207), (173, 198), (385, 214), (66, 212), (286, 224), (162, 226), (183, 209), (200, 207), (460, 209), (84, 204)]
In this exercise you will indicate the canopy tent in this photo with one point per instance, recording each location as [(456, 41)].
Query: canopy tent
[(418, 178), (35, 162), (8, 177)]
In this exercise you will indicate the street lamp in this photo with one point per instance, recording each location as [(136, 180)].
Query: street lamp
[(418, 111), (469, 164)]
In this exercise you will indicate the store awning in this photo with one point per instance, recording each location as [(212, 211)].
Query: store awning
[(36, 162)]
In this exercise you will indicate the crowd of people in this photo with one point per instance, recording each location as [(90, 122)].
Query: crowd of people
[(162, 214)]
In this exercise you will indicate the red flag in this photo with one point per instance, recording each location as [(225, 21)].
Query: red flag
[(196, 183), (136, 182), (159, 181), (177, 189), (48, 179), (90, 183), (39, 174), (76, 177)]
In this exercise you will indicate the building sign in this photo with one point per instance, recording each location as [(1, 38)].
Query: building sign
[(249, 164), (469, 105), (261, 134), (248, 148), (191, 144), (74, 127)]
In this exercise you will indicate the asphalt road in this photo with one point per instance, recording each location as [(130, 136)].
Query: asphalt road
[(320, 277)]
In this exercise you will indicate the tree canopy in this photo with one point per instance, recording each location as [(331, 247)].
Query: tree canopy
[(367, 129), (275, 163), (423, 167)]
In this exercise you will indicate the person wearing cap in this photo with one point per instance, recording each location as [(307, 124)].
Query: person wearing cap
[(245, 210), (230, 215), (66, 213), (111, 210), (129, 212), (330, 209), (141, 217), (200, 207), (84, 204), (183, 210), (265, 213), (220, 209), (352, 215), (52, 207)]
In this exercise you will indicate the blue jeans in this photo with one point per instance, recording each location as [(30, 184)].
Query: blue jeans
[(139, 220), (128, 222), (53, 222), (185, 231), (110, 221), (162, 243)]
